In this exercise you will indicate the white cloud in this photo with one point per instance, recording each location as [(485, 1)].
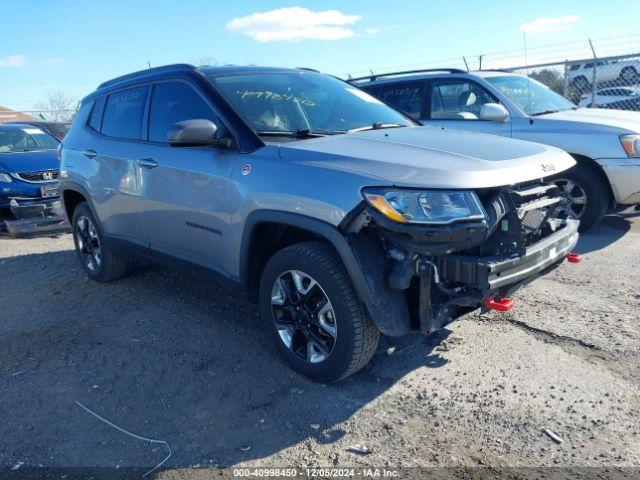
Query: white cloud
[(293, 24), (13, 61), (549, 24), (372, 31)]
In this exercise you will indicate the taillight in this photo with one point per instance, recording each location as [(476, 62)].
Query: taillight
[(60, 152)]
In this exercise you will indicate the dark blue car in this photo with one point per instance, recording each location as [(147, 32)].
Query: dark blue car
[(29, 198)]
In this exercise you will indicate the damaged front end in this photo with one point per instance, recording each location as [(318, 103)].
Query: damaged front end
[(430, 257), (28, 216)]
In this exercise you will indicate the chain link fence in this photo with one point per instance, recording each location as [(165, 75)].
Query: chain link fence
[(599, 73), (64, 116), (609, 82)]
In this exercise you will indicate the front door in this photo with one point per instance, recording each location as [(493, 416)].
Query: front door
[(457, 103), (185, 192)]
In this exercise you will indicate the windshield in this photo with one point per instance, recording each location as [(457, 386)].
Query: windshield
[(25, 139), (531, 96), (301, 102)]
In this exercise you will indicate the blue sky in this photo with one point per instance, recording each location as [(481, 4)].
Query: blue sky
[(73, 45)]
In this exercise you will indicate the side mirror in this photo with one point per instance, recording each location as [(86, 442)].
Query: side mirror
[(197, 132), (494, 112)]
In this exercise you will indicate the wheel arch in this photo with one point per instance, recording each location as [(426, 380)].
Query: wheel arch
[(388, 309), (597, 168), (291, 228), (72, 196)]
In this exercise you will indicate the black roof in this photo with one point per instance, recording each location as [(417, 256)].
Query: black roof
[(149, 72), (375, 76), (186, 68)]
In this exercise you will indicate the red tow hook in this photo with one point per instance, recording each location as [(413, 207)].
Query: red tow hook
[(574, 258), (499, 304)]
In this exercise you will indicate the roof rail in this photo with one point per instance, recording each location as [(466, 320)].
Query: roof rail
[(406, 72), (308, 69), (163, 68)]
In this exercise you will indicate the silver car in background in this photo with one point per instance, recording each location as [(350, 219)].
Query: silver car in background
[(604, 142)]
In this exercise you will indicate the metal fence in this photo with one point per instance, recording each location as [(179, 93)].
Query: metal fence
[(602, 73), (596, 82), (7, 115)]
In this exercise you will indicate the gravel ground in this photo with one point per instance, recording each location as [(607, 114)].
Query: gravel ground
[(169, 356)]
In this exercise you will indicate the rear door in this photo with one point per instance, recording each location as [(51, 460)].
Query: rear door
[(186, 193), (110, 162), (457, 103)]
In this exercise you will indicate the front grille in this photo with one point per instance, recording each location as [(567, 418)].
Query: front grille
[(519, 216), (535, 205), (39, 177)]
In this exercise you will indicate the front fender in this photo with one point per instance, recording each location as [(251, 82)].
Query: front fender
[(363, 261)]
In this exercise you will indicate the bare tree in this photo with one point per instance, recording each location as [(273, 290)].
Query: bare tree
[(58, 107), (551, 78)]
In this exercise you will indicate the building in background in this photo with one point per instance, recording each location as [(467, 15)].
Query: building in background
[(8, 115)]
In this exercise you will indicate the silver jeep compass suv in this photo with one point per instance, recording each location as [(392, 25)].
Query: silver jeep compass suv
[(342, 216)]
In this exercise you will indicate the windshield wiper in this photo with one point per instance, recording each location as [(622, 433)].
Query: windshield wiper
[(544, 112), (300, 133), (376, 126)]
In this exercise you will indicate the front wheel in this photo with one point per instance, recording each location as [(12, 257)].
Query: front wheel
[(313, 314), (586, 194)]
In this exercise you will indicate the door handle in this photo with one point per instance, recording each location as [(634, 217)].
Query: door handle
[(89, 153), (147, 162)]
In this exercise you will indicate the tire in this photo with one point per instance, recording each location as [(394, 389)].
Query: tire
[(355, 337), (88, 239), (629, 75), (581, 83), (593, 187)]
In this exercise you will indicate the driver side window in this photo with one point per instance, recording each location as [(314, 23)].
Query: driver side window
[(458, 100), (174, 102)]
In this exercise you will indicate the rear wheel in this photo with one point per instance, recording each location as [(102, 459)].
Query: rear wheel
[(586, 194), (581, 84), (97, 260), (313, 314)]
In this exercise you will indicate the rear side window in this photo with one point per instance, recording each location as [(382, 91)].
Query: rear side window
[(96, 113), (406, 97), (174, 102), (123, 113)]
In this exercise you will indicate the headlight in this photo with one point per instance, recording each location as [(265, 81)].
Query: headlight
[(5, 178), (631, 145), (433, 207)]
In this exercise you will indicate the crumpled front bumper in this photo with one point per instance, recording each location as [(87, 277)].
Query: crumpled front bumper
[(35, 216), (494, 273), (476, 279)]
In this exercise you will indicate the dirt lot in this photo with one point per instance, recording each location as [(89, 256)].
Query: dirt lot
[(171, 357)]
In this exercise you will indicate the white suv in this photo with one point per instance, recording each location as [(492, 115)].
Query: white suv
[(621, 71), (622, 98)]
